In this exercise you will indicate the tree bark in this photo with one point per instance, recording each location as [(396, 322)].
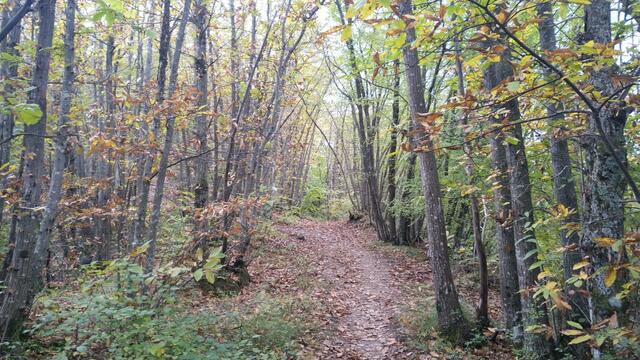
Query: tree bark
[(62, 146), (564, 187), (168, 140), (16, 18), (362, 123), (142, 181), (404, 222), (23, 279), (201, 183), (521, 216), (451, 321), (605, 186), (9, 70), (393, 156), (482, 308)]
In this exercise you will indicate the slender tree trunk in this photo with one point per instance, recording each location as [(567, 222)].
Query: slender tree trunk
[(9, 70), (23, 278), (163, 62), (521, 215), (362, 122), (235, 111), (404, 222), (142, 182), (201, 183), (168, 141), (102, 221), (393, 156), (564, 187), (16, 17), (482, 308), (62, 147), (451, 321)]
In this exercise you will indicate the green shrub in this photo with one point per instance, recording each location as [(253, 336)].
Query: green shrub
[(112, 318), (314, 201)]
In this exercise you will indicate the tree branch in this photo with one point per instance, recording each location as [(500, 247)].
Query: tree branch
[(595, 110), (17, 17)]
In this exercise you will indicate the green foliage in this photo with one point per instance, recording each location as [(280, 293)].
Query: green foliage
[(315, 198), (211, 267), (413, 206), (113, 318), (29, 114), (109, 11)]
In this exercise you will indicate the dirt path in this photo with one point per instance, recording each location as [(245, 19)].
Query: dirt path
[(359, 291)]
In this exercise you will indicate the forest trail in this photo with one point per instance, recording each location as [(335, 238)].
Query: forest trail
[(363, 293)]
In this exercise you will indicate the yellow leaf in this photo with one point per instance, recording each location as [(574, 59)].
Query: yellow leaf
[(580, 339), (366, 11), (610, 276), (140, 249), (551, 285), (210, 276), (346, 33), (502, 16), (332, 30), (580, 265), (494, 58), (605, 241), (572, 332), (469, 190), (544, 274)]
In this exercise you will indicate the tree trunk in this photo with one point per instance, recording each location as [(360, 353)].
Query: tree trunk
[(201, 186), (23, 278), (606, 184), (235, 112), (564, 187), (9, 70), (168, 141), (451, 321), (482, 308), (142, 181), (102, 221), (521, 216), (362, 122), (404, 222), (16, 17), (62, 147), (393, 156)]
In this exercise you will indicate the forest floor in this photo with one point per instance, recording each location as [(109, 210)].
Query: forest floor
[(362, 297), (318, 290), (369, 300)]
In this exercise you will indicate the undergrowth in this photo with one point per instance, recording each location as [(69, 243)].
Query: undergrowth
[(115, 311)]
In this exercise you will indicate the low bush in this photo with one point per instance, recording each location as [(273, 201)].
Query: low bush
[(121, 313)]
